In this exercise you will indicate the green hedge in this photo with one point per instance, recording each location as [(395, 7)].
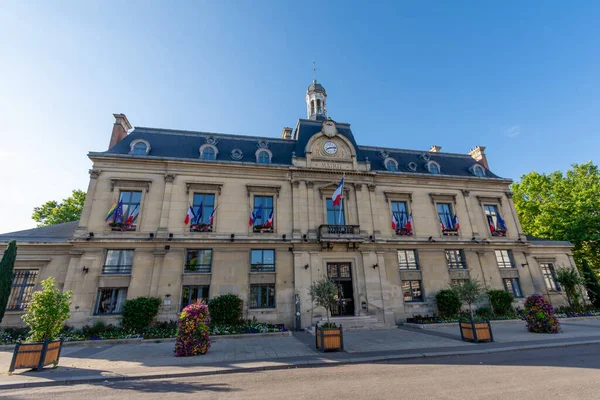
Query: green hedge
[(140, 313), (501, 301), (225, 309), (448, 303)]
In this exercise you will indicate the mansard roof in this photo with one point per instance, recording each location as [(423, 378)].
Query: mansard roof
[(180, 144), (53, 233)]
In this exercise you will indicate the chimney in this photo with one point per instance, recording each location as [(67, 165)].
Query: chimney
[(478, 154), (286, 133), (120, 129), (435, 149)]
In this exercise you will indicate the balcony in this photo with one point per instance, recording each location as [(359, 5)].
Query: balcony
[(341, 233)]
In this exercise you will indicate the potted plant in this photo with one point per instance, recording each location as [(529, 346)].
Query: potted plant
[(329, 336), (469, 292), (46, 315)]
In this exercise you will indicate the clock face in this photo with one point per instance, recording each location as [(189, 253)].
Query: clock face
[(330, 148)]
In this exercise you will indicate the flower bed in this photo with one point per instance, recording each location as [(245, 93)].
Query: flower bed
[(160, 330)]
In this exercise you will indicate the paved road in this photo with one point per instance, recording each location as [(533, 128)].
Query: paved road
[(565, 373)]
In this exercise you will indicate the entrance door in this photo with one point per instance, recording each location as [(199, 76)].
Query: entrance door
[(341, 275)]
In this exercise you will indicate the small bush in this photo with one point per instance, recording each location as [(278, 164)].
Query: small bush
[(484, 312), (47, 312), (501, 301), (192, 331), (139, 313), (539, 315), (226, 309), (448, 303)]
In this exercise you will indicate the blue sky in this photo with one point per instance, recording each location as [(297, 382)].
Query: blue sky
[(521, 79)]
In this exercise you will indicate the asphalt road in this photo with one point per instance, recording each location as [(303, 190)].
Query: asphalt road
[(563, 373)]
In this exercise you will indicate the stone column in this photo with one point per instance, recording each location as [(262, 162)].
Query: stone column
[(163, 226), (89, 201)]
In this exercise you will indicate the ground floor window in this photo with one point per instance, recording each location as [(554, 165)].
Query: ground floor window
[(412, 291), (262, 296), (110, 301), (512, 286), (23, 284), (192, 293)]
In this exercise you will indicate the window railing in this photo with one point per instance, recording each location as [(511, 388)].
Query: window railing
[(122, 227), (339, 229), (450, 232), (201, 227), (262, 229), (404, 232), (499, 233), (116, 269), (262, 268), (194, 268)]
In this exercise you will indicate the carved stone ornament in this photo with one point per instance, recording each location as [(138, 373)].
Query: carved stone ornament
[(94, 173), (236, 154), (211, 140), (169, 178), (328, 128), (465, 192)]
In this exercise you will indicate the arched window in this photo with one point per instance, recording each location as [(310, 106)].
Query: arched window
[(312, 107), (139, 147), (264, 158), (433, 167), (208, 152), (319, 108), (391, 165), (478, 170)]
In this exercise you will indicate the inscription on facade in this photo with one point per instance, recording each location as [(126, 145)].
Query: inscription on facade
[(331, 165)]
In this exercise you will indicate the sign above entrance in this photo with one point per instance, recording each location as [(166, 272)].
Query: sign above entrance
[(331, 165)]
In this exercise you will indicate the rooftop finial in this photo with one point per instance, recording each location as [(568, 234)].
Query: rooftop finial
[(314, 72)]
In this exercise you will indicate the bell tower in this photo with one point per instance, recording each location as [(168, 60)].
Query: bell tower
[(316, 102)]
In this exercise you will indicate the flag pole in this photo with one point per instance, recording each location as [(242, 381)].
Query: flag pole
[(341, 201)]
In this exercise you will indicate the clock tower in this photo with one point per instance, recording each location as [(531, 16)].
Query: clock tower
[(316, 102)]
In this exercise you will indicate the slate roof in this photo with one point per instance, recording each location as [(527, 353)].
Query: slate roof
[(53, 233), (541, 241), (316, 87), (185, 145)]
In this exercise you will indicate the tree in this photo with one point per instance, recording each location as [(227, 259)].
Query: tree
[(52, 212), (563, 206), (469, 292), (7, 266), (324, 293), (591, 283), (570, 281), (47, 312)]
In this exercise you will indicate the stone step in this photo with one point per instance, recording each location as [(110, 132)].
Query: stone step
[(362, 323)]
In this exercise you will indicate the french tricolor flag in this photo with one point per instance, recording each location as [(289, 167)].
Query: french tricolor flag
[(409, 222), (337, 195), (190, 215), (269, 222), (212, 217), (394, 222), (455, 222)]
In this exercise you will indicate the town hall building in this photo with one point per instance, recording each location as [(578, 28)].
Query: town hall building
[(185, 215)]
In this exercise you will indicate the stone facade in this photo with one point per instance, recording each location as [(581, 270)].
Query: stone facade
[(302, 238)]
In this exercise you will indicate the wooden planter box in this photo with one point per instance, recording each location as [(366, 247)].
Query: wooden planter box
[(476, 331), (36, 355), (329, 339)]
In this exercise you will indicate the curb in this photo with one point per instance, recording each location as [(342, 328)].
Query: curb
[(292, 365), (112, 342), (455, 324)]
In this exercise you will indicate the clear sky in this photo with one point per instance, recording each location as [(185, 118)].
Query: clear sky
[(522, 78)]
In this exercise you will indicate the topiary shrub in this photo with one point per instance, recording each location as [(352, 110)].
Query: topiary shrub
[(192, 331), (448, 303), (501, 301), (539, 315), (47, 312), (226, 309), (140, 312)]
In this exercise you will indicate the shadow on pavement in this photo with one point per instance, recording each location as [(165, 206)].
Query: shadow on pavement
[(166, 386)]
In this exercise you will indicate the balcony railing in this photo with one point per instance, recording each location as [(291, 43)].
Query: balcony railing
[(339, 232), (116, 269)]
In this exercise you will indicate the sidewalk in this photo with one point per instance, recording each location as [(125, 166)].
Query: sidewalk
[(100, 363)]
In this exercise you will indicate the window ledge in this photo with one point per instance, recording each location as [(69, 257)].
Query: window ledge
[(196, 273), (262, 272), (124, 274), (268, 310), (14, 312)]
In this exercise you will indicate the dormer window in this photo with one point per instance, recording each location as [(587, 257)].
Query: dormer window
[(412, 166), (391, 165), (425, 156), (208, 152), (478, 170), (263, 156), (237, 154), (139, 147), (433, 168)]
